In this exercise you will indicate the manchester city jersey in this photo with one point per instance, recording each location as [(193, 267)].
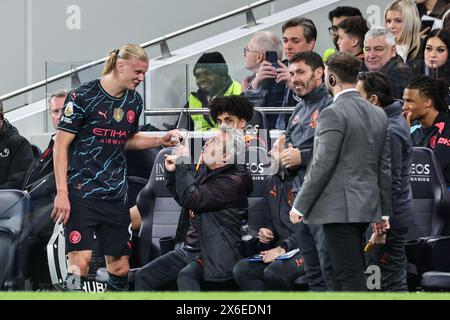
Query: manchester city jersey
[(102, 124)]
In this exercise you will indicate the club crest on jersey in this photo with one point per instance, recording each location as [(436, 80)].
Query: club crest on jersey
[(131, 116), (118, 114), (314, 118), (4, 153), (68, 111)]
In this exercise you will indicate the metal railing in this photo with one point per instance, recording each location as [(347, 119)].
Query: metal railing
[(162, 41), (175, 111)]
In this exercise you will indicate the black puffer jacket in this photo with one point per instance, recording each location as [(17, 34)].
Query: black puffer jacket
[(401, 156), (219, 200), (15, 157)]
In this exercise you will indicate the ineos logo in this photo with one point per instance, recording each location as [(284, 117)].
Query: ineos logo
[(251, 130), (160, 169), (419, 168), (254, 168)]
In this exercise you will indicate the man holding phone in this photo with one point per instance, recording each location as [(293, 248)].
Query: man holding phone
[(431, 11), (261, 87), (271, 85)]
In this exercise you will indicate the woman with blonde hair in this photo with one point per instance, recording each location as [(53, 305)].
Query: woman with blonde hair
[(401, 18)]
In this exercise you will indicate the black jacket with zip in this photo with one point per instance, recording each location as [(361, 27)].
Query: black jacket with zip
[(218, 199), (15, 157)]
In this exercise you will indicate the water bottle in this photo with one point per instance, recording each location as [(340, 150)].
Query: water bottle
[(245, 232), (248, 242)]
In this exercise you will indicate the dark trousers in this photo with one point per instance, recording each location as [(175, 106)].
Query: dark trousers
[(164, 271), (190, 278), (345, 247), (311, 242), (278, 275), (391, 258)]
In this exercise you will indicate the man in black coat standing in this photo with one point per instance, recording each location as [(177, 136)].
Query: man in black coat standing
[(390, 256)]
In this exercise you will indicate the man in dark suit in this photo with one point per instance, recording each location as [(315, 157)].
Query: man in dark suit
[(348, 183)]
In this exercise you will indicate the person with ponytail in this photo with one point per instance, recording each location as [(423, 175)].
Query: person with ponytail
[(425, 102), (100, 120)]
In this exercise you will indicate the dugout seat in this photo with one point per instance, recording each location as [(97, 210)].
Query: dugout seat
[(159, 211), (14, 208), (431, 211), (257, 162), (258, 120), (140, 162), (435, 264)]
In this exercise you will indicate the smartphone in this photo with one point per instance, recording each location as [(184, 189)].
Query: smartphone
[(272, 57), (426, 24)]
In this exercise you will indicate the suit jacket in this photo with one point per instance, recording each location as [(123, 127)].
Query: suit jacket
[(349, 177)]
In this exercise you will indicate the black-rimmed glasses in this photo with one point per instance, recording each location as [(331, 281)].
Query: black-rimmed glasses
[(248, 50), (332, 29)]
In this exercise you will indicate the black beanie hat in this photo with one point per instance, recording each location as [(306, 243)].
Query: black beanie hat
[(212, 61)]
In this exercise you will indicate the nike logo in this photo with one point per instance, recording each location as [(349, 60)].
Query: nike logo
[(103, 114)]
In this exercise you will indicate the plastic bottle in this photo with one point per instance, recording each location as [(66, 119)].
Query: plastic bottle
[(248, 242), (245, 232)]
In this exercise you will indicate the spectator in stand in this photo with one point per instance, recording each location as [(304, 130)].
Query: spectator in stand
[(351, 34), (390, 256), (425, 102), (262, 87), (438, 9), (212, 79), (299, 35), (436, 58), (270, 85), (336, 16), (15, 155), (381, 55), (402, 20)]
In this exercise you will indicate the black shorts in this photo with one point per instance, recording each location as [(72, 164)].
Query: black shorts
[(109, 220)]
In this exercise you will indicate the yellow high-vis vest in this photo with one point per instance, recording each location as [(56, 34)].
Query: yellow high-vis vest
[(200, 123)]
